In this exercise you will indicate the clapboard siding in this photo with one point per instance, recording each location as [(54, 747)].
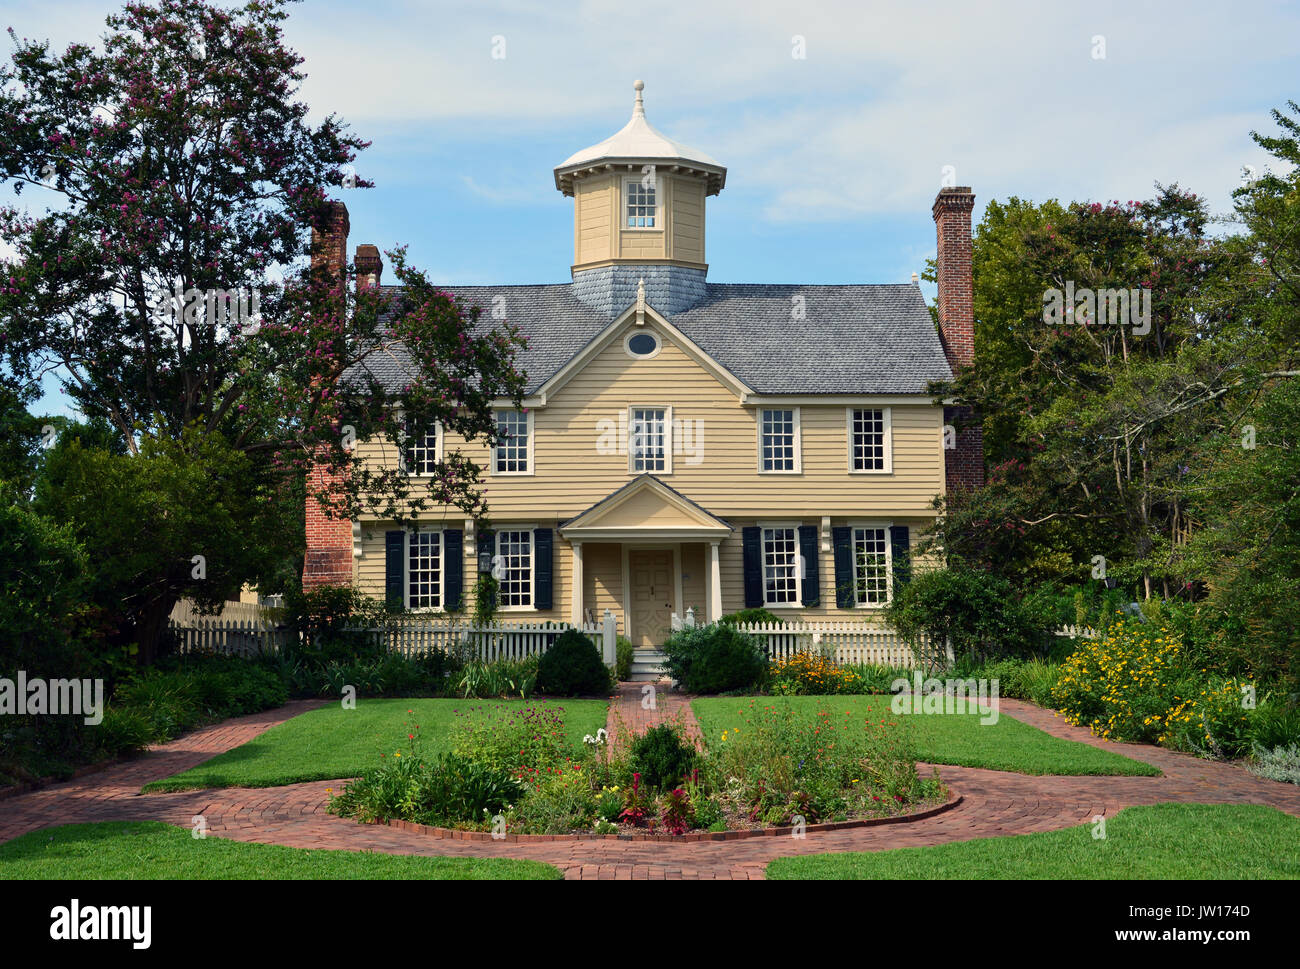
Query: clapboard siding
[(571, 474)]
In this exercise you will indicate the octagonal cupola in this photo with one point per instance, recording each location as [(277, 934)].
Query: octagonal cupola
[(639, 206)]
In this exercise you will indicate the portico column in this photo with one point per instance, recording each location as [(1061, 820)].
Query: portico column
[(575, 614), (715, 584)]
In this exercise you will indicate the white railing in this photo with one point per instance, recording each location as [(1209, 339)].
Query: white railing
[(844, 642), (409, 637)]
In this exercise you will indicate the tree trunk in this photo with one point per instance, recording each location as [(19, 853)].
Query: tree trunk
[(150, 627)]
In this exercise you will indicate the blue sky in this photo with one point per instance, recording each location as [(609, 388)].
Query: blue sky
[(834, 158)]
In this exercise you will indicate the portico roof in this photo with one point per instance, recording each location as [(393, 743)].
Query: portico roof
[(645, 508)]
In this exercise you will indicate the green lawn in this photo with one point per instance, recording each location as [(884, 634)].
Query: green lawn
[(150, 849), (958, 739), (332, 742), (1164, 841)]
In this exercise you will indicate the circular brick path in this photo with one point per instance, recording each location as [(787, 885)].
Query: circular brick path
[(995, 803)]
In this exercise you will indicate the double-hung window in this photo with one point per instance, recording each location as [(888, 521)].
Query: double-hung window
[(513, 452), (781, 566), (513, 568), (649, 447), (871, 561), (424, 570), (869, 440), (422, 451), (778, 440)]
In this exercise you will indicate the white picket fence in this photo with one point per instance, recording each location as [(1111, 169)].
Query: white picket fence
[(500, 641), (410, 637), (844, 642), (221, 634)]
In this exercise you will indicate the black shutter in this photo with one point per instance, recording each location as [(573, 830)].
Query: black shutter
[(453, 568), (808, 548), (753, 544), (395, 569), (543, 552), (901, 547), (842, 542)]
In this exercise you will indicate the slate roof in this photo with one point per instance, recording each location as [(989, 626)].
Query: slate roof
[(854, 339)]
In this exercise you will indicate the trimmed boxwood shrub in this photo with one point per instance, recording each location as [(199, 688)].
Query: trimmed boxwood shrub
[(625, 654), (714, 659), (662, 757), (755, 615), (572, 667)]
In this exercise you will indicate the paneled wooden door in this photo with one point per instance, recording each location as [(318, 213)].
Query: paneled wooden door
[(651, 588)]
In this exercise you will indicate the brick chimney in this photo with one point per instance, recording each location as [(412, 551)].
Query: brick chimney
[(963, 464), (329, 241), (369, 266), (329, 540)]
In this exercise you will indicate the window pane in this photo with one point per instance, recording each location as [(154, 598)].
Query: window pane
[(424, 570), (421, 451), (643, 344), (514, 567), (868, 440), (647, 439), (512, 451), (778, 440), (640, 206), (780, 566), (871, 566)]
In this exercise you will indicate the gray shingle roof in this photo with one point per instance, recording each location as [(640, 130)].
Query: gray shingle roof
[(859, 339)]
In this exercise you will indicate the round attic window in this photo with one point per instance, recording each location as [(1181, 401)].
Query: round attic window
[(642, 344)]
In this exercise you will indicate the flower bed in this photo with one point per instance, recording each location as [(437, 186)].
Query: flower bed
[(509, 775)]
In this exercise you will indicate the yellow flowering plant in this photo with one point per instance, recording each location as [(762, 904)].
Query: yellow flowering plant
[(808, 673), (1137, 683)]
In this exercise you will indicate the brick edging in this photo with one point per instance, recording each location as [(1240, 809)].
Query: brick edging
[(456, 834)]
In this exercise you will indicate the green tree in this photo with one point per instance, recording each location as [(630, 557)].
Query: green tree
[(187, 179)]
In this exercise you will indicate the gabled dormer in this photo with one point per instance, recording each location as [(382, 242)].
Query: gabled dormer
[(639, 213)]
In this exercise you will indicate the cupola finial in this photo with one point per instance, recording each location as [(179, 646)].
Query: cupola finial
[(639, 106)]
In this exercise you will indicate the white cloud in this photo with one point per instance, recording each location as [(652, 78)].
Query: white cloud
[(1008, 94)]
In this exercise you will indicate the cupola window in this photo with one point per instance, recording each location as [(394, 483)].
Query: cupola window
[(640, 204)]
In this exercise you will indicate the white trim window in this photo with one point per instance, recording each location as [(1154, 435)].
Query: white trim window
[(779, 443), (870, 440), (422, 453), (781, 577), (513, 568), (640, 203), (513, 453), (649, 444), (871, 565), (424, 571)]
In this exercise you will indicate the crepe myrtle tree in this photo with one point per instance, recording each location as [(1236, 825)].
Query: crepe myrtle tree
[(184, 177), (177, 159), (315, 376)]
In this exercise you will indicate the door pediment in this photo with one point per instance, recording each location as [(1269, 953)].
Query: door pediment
[(644, 508)]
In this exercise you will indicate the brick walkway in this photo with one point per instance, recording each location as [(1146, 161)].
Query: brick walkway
[(639, 709), (996, 803)]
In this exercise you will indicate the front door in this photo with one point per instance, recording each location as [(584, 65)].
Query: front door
[(651, 611)]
